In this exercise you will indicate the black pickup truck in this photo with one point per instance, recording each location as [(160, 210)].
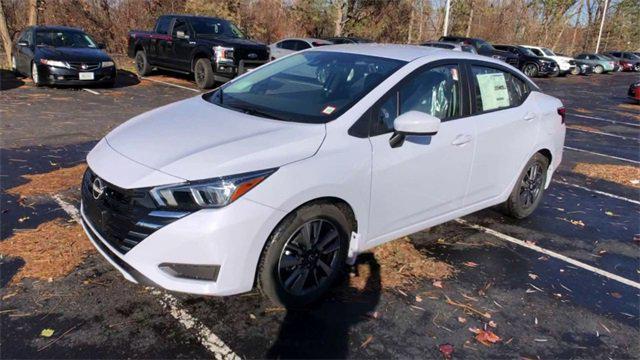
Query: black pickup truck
[(213, 49)]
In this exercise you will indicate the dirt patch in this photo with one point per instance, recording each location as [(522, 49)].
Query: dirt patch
[(622, 174), (582, 127), (583, 111), (401, 264), (50, 183), (50, 251)]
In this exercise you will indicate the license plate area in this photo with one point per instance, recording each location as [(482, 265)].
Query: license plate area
[(86, 76)]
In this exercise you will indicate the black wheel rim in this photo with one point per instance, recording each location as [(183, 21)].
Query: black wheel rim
[(199, 73), (309, 257), (139, 63), (531, 185)]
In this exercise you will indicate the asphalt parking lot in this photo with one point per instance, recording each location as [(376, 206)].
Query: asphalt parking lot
[(564, 283)]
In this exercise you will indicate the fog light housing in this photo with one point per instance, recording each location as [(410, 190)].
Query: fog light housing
[(191, 271)]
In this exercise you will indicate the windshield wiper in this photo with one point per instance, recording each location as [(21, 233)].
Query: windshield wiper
[(255, 112)]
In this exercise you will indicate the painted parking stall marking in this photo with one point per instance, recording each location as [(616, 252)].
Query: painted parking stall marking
[(553, 254), (603, 133), (170, 84), (613, 196), (605, 120), (603, 155), (91, 91)]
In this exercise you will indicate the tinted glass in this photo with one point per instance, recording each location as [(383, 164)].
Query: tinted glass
[(64, 38), (301, 45), (548, 52), (180, 25), (311, 87), (497, 89), (537, 52), (442, 46), (526, 51), (216, 27), (631, 56), (288, 44), (435, 92), (163, 25)]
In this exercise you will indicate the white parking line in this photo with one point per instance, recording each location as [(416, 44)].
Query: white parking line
[(605, 120), (170, 84), (554, 254), (604, 133), (91, 91), (598, 192), (603, 155), (207, 338)]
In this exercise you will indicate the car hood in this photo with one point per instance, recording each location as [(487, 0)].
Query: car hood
[(194, 139), (72, 54), (229, 41)]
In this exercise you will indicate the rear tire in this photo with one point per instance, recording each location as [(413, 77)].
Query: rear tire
[(529, 189), (294, 272), (576, 71), (143, 68), (203, 74)]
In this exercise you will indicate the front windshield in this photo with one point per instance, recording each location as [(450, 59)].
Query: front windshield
[(216, 27), (485, 45), (631, 56), (64, 38), (309, 87), (548, 52), (526, 51)]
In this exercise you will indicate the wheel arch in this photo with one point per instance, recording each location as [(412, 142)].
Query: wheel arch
[(546, 153), (197, 55)]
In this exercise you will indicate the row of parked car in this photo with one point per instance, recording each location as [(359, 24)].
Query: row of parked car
[(215, 50)]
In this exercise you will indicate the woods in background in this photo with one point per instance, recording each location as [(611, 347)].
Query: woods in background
[(567, 26)]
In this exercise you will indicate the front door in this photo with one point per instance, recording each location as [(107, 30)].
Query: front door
[(426, 176), (24, 54), (183, 45)]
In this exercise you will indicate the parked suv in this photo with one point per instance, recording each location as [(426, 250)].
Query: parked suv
[(213, 49), (565, 63), (531, 64), (280, 177), (483, 48)]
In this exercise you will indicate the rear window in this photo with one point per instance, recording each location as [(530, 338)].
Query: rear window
[(496, 89)]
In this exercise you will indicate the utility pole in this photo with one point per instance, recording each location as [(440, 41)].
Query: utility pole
[(604, 15), (446, 18)]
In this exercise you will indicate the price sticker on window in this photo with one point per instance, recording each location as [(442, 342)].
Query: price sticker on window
[(328, 110)]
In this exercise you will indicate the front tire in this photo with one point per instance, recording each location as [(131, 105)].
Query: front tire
[(529, 189), (35, 76), (576, 71), (143, 68), (305, 255), (531, 70), (203, 74), (598, 69)]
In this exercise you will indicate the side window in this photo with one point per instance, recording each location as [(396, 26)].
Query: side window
[(24, 36), (180, 25), (497, 89), (162, 27), (537, 52), (302, 45), (435, 91), (288, 45)]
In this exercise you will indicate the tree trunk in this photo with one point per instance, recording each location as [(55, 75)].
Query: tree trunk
[(470, 21), (4, 32), (33, 12), (575, 28), (339, 22), (411, 24)]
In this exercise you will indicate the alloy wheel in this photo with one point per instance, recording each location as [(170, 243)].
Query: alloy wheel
[(530, 70), (199, 73), (531, 185), (309, 257), (139, 63), (598, 70), (34, 74)]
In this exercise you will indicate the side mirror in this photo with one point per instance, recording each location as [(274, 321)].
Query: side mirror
[(23, 43), (101, 46), (182, 35), (413, 123)]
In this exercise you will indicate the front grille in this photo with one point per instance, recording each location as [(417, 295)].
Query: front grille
[(84, 66), (122, 217), (243, 54)]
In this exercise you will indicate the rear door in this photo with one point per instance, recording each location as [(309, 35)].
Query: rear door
[(507, 122), (162, 42), (24, 54), (427, 176)]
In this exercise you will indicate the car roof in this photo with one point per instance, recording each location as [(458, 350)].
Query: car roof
[(307, 39), (56, 27), (401, 52)]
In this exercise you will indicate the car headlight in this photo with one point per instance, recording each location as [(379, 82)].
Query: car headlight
[(55, 63), (107, 64), (211, 193), (223, 54)]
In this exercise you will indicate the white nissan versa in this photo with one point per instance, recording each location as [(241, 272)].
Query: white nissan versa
[(281, 176)]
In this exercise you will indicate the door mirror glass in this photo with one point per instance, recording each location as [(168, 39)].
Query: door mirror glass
[(416, 123), (23, 43), (181, 35)]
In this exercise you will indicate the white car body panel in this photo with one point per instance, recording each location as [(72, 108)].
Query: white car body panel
[(389, 194)]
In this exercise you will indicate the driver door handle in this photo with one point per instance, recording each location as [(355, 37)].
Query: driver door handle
[(461, 140)]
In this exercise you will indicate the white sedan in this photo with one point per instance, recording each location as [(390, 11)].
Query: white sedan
[(289, 46), (280, 177)]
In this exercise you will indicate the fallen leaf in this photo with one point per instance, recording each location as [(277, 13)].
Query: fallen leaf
[(609, 213), (46, 332), (470, 264), (253, 317), (437, 284), (487, 337), (23, 219), (366, 342), (462, 320), (446, 350), (474, 330), (533, 276)]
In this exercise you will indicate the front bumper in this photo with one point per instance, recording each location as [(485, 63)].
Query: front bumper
[(548, 69), (227, 71), (230, 239), (62, 76)]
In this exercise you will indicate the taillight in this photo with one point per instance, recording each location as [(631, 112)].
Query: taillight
[(563, 113)]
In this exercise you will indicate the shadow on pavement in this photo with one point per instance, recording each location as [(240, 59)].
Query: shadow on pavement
[(8, 80), (323, 332)]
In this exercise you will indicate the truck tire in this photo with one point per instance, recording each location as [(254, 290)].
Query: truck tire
[(203, 74), (528, 191), (304, 255), (143, 68)]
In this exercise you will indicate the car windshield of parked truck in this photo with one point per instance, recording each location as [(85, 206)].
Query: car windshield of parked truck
[(548, 52), (216, 27), (485, 45), (64, 38), (309, 87), (526, 51)]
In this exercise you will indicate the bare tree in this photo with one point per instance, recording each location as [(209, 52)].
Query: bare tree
[(4, 32), (33, 12)]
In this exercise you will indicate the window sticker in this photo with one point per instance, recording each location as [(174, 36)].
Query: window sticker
[(328, 110), (454, 73), (493, 91)]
